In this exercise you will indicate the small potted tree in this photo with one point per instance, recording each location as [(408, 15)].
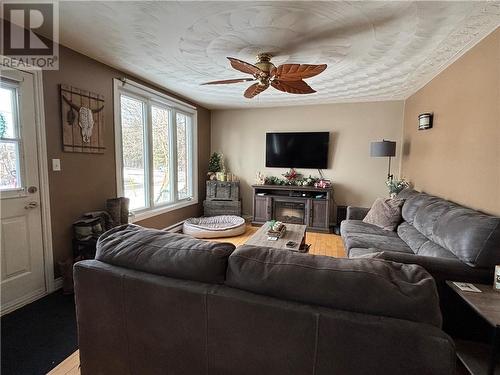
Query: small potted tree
[(214, 166)]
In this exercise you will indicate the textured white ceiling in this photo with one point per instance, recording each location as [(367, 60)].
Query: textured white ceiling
[(374, 50)]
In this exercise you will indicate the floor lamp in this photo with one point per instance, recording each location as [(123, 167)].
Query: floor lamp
[(384, 149)]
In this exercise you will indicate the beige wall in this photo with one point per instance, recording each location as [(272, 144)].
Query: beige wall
[(357, 178), (459, 158), (87, 180)]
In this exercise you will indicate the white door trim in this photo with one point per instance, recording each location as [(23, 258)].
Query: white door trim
[(43, 172)]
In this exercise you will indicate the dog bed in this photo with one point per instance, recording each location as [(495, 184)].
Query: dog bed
[(214, 226)]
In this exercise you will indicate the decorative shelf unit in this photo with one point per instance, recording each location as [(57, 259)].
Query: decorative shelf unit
[(223, 198), (293, 204)]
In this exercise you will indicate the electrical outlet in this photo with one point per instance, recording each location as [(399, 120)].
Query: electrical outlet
[(56, 165)]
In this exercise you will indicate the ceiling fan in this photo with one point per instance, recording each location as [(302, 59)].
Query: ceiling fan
[(287, 77)]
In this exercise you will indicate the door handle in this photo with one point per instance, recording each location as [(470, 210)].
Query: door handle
[(30, 205)]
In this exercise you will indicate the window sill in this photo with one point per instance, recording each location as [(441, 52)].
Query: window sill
[(161, 210)]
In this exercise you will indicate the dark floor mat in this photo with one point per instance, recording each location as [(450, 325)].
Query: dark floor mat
[(37, 337)]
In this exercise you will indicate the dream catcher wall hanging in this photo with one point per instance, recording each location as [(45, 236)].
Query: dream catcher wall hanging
[(83, 120)]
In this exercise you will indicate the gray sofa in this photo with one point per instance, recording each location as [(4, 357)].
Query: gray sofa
[(450, 241), (160, 303)]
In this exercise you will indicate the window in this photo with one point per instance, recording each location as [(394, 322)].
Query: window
[(156, 150), (11, 174)]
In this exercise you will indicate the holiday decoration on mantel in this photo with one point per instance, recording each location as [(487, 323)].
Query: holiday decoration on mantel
[(292, 178), (323, 184), (260, 179), (82, 120), (291, 175)]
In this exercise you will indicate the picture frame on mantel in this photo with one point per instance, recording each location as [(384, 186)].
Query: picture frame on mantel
[(82, 118)]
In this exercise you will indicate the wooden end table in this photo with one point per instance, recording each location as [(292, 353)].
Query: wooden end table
[(294, 232), (476, 357)]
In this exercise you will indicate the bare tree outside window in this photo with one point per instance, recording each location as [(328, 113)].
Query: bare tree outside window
[(157, 147), (132, 121), (161, 154), (10, 144)]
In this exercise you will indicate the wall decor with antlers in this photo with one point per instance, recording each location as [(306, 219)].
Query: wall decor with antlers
[(82, 120)]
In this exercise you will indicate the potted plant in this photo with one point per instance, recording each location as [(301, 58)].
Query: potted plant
[(395, 186), (214, 165)]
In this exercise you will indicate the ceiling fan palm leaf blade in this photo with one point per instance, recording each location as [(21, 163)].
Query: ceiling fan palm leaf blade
[(243, 66), (293, 87), (227, 81), (297, 72), (254, 90)]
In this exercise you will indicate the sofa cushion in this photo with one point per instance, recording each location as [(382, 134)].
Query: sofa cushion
[(357, 252), (428, 214), (413, 238), (164, 253), (358, 226), (431, 249), (366, 241), (420, 244), (361, 285), (471, 236), (413, 203), (385, 213), (441, 269)]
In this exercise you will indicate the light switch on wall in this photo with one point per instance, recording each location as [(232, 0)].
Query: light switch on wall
[(56, 165)]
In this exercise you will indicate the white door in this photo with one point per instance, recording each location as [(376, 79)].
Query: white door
[(22, 261)]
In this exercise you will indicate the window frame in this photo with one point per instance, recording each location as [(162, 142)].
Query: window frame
[(17, 140), (151, 98)]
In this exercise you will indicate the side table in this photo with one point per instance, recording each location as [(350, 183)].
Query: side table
[(476, 357)]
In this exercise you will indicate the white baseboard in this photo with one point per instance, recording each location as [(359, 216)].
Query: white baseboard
[(58, 283), (20, 302)]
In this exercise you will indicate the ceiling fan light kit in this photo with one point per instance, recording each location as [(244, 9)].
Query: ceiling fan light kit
[(288, 78)]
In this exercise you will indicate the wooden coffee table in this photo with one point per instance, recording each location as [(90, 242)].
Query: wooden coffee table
[(294, 232)]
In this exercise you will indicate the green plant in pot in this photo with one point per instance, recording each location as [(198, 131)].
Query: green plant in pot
[(395, 186)]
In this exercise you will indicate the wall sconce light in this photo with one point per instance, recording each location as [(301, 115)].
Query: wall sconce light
[(425, 121)]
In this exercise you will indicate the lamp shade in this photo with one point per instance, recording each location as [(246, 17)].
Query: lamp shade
[(383, 148)]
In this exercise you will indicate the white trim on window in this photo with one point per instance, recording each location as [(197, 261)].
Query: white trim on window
[(153, 97), (169, 100)]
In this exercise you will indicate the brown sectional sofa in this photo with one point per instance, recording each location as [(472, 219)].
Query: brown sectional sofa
[(161, 303)]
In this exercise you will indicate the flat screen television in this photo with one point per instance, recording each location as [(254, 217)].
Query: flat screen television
[(297, 150)]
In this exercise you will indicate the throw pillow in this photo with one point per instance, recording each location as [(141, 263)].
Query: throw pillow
[(385, 213)]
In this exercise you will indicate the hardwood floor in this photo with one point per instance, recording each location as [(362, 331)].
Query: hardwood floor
[(321, 244)]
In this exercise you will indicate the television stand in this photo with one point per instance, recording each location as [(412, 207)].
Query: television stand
[(304, 205)]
